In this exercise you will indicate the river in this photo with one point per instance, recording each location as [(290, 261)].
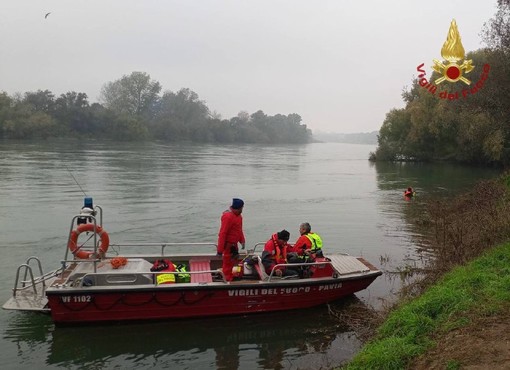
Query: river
[(177, 192)]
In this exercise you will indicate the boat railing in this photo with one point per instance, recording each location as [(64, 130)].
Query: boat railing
[(78, 247), (29, 280), (255, 247), (134, 280), (99, 217), (291, 265), (98, 210), (163, 245)]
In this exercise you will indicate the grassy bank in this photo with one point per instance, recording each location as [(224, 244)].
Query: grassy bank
[(476, 286), (479, 289)]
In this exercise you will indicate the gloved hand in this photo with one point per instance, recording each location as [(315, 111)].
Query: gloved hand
[(233, 251)]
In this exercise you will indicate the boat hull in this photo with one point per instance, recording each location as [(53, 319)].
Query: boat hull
[(189, 301)]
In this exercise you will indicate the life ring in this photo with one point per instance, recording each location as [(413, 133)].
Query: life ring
[(83, 254)]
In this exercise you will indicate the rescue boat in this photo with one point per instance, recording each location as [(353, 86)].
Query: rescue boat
[(110, 283)]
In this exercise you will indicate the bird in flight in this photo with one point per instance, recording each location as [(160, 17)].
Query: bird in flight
[(46, 16)]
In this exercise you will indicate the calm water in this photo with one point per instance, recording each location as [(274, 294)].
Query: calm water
[(152, 192)]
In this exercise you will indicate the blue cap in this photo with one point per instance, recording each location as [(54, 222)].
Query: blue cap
[(87, 202), (237, 203)]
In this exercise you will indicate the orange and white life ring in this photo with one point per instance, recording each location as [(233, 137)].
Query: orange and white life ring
[(83, 254)]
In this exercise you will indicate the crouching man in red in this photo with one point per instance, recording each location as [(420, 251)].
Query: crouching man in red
[(275, 253), (231, 233)]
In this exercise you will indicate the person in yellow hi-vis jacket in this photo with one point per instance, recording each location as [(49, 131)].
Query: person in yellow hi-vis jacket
[(308, 242)]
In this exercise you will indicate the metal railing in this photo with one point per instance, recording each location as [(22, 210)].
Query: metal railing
[(290, 265), (98, 210), (33, 281), (163, 245), (145, 274)]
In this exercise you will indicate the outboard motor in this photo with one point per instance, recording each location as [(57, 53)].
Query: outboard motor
[(86, 210)]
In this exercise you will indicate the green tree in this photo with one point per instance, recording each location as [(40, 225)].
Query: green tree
[(182, 115), (393, 135), (25, 123), (473, 127), (72, 112), (6, 104), (280, 128), (220, 130), (496, 32), (124, 128), (133, 110), (135, 95), (43, 101)]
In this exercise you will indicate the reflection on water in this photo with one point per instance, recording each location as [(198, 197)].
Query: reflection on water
[(25, 339), (429, 178), (430, 181), (156, 193), (295, 339)]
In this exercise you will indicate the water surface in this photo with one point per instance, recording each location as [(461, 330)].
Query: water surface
[(154, 192)]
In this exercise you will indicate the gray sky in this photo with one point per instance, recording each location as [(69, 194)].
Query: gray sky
[(340, 64)]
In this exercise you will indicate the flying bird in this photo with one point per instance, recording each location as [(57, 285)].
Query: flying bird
[(46, 16)]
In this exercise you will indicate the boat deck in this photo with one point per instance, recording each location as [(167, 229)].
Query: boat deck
[(137, 271), (27, 302), (345, 264), (200, 265)]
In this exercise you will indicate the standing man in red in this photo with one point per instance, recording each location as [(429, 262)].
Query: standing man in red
[(231, 233)]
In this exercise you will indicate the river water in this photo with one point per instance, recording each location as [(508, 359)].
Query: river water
[(152, 192)]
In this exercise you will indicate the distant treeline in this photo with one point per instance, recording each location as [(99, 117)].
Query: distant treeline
[(457, 122), (357, 138), (132, 109)]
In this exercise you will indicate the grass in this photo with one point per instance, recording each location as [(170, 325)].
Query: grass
[(480, 288), (453, 365), (467, 280)]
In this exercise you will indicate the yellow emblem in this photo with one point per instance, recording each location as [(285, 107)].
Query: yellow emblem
[(452, 51)]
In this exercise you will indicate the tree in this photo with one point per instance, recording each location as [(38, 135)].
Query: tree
[(25, 123), (393, 135), (43, 101), (243, 116), (72, 112), (6, 104), (221, 131), (496, 32), (259, 120), (182, 114), (135, 95)]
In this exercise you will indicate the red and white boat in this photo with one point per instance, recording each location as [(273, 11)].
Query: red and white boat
[(97, 285)]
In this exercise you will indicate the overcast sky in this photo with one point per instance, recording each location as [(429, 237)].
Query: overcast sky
[(340, 64)]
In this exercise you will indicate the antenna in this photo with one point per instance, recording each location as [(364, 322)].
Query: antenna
[(76, 181)]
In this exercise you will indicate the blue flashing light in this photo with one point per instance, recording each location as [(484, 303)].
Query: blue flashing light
[(87, 202)]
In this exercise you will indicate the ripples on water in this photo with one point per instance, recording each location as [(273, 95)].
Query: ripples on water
[(153, 192), (303, 339)]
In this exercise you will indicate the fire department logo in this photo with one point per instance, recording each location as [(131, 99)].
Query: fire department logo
[(452, 70), (452, 52)]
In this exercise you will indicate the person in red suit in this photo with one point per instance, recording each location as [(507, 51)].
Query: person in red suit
[(308, 242), (230, 234), (275, 253), (409, 193)]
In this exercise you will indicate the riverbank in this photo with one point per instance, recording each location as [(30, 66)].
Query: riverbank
[(461, 318), (460, 322)]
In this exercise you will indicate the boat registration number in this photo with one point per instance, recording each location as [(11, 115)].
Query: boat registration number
[(76, 299)]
